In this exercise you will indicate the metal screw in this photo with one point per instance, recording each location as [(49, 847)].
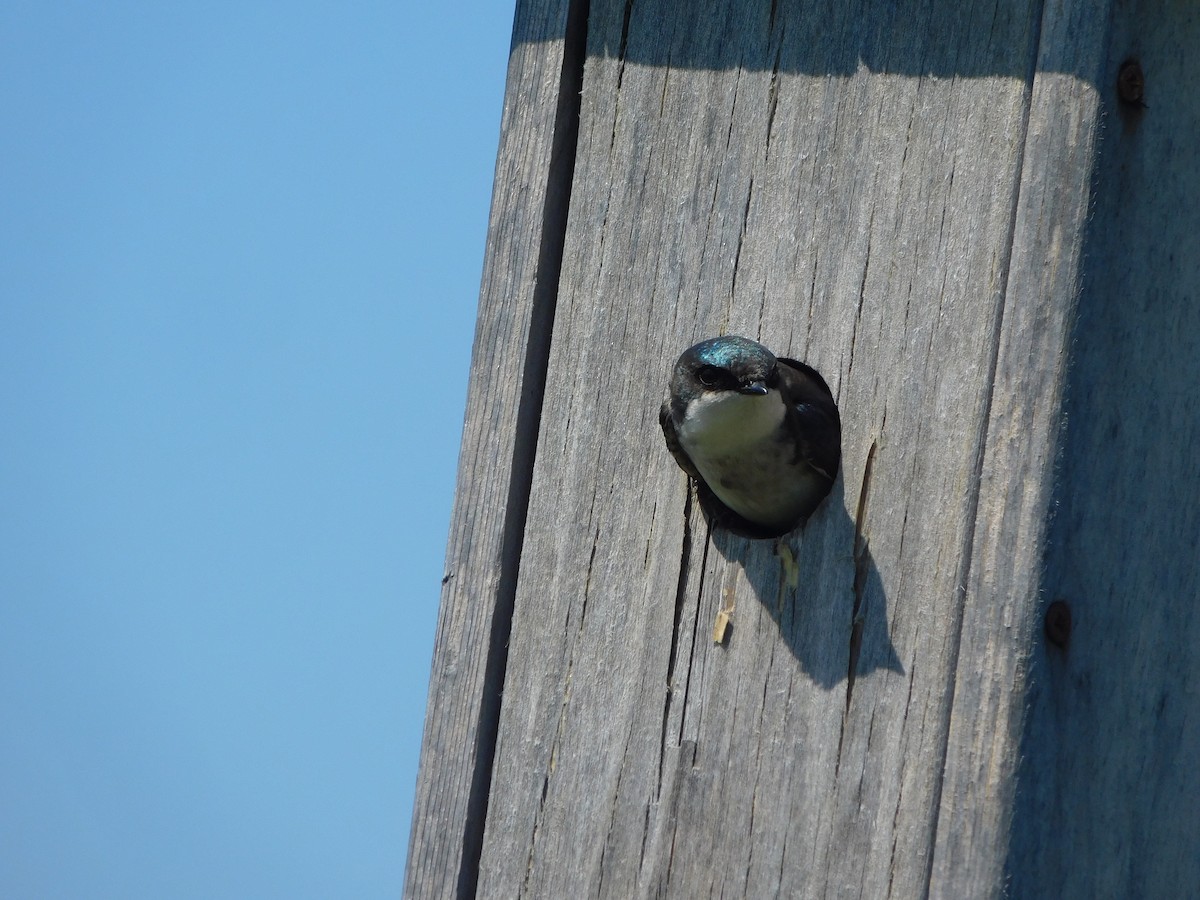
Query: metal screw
[(1058, 623), (1131, 84)]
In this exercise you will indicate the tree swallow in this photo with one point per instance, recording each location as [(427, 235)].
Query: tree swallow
[(761, 436)]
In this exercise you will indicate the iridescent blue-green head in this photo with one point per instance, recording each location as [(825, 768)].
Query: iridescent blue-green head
[(729, 363)]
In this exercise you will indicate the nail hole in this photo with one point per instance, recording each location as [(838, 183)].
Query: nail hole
[(1131, 84)]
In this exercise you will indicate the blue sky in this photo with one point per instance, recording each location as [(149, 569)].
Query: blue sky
[(240, 254)]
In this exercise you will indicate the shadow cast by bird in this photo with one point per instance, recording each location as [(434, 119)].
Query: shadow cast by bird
[(823, 590)]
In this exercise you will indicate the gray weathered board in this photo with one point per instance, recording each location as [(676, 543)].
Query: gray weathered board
[(912, 198)]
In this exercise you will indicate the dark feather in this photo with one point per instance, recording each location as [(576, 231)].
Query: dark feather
[(816, 426)]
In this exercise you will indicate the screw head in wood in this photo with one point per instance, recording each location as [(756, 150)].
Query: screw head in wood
[(1058, 623), (1131, 84)]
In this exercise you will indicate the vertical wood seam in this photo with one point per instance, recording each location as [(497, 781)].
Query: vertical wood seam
[(555, 208)]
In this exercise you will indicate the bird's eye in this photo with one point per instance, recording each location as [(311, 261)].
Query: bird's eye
[(710, 376), (773, 377)]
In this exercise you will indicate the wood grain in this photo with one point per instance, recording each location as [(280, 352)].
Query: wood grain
[(1109, 785), (1003, 564), (863, 223), (900, 197)]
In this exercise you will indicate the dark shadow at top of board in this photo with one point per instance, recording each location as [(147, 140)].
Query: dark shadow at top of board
[(932, 38)]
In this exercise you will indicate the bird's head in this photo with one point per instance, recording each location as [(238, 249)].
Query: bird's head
[(724, 365)]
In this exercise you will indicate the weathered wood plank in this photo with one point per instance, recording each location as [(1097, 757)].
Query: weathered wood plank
[(1002, 567), (501, 419), (1109, 787), (899, 196), (843, 186)]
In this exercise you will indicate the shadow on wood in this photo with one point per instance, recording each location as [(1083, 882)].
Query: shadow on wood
[(1109, 784), (811, 621), (878, 36)]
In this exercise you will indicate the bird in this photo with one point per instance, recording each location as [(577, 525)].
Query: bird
[(760, 434)]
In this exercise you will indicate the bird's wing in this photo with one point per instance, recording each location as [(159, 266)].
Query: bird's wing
[(668, 428), (816, 423)]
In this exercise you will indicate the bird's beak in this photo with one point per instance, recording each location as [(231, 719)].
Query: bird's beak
[(754, 387)]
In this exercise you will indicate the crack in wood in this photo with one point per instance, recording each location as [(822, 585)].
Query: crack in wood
[(550, 767), (861, 570), (624, 44), (680, 594), (695, 631), (750, 840), (612, 821), (737, 254), (587, 581), (773, 90), (862, 293), (912, 669), (645, 835), (650, 534)]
